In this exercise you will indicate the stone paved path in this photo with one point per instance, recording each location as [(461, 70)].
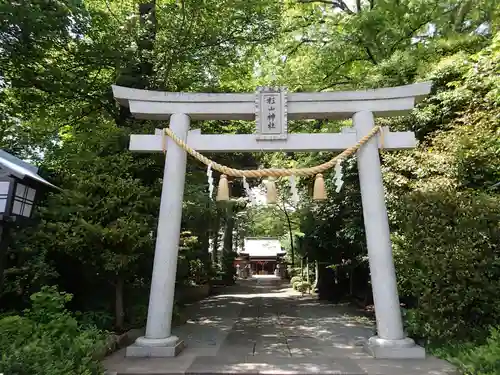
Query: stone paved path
[(260, 326)]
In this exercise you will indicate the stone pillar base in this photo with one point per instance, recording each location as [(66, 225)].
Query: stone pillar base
[(144, 347), (394, 349)]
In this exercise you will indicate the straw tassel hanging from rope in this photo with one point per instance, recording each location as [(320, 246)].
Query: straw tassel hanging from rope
[(223, 189), (293, 190), (272, 195), (319, 193)]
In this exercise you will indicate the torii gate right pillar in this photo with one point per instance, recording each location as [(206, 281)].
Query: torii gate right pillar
[(390, 341)]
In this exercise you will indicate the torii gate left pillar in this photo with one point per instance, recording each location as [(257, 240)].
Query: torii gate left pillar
[(361, 106)]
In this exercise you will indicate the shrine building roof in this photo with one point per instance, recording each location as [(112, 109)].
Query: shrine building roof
[(262, 247)]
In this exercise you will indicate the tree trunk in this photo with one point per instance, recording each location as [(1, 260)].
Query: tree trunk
[(228, 269), (316, 276), (292, 250), (139, 73), (147, 12), (215, 241), (205, 245), (327, 288), (351, 282), (236, 238), (464, 9), (204, 240), (307, 270), (358, 6), (228, 235), (119, 305)]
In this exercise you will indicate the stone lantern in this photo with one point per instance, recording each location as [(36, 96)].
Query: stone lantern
[(20, 187)]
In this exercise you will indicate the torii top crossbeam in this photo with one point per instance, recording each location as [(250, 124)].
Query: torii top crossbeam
[(158, 105)]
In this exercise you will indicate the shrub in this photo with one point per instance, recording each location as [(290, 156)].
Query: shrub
[(47, 339), (295, 272), (448, 258), (483, 359), (473, 359), (295, 279), (100, 319), (303, 286)]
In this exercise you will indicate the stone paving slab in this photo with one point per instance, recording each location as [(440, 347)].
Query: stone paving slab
[(430, 366), (278, 349), (273, 365), (310, 366), (329, 352), (236, 339), (117, 364), (262, 327)]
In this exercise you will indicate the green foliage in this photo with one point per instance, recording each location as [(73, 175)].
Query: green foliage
[(333, 230), (447, 257), (47, 339), (98, 319), (58, 64), (483, 359), (193, 267), (228, 270), (137, 314), (473, 358), (266, 221), (295, 279), (302, 286), (337, 46), (295, 272), (198, 271), (443, 206)]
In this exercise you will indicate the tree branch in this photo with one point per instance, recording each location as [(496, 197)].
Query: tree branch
[(334, 70), (340, 4), (416, 28), (300, 44), (329, 86), (370, 55), (111, 12), (309, 23)]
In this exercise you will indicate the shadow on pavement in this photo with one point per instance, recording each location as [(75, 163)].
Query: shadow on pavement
[(260, 325)]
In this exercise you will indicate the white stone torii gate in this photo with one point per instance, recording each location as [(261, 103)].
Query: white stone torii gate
[(361, 106)]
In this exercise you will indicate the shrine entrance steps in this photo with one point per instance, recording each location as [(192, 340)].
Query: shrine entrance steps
[(261, 326)]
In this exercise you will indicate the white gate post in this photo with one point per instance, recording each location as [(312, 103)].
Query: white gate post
[(391, 341), (158, 341)]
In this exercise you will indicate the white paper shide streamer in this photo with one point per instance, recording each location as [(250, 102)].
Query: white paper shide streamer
[(293, 190), (338, 176), (248, 190), (210, 182)]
